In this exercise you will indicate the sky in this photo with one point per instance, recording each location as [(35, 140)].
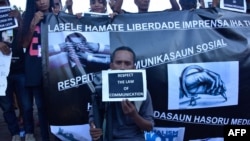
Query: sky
[(128, 5)]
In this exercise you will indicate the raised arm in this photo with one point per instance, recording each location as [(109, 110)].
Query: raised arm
[(69, 6), (202, 4), (28, 36), (175, 5)]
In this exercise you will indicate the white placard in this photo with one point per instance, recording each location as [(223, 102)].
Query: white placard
[(234, 5), (4, 71), (7, 22), (118, 85)]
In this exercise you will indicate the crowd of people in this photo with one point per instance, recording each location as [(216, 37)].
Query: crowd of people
[(26, 82)]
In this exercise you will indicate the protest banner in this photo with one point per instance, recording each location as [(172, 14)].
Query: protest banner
[(197, 66)]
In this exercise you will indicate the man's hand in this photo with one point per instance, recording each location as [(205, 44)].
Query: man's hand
[(79, 15), (95, 133), (128, 108), (15, 13), (4, 48), (112, 15)]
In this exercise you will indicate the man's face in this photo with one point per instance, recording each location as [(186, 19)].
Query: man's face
[(97, 6), (57, 5), (43, 5), (123, 60), (142, 4)]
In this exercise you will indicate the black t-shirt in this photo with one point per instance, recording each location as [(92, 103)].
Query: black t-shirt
[(33, 60)]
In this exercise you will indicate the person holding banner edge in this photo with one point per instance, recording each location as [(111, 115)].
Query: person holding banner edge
[(100, 6), (35, 13), (124, 122), (96, 6), (142, 6)]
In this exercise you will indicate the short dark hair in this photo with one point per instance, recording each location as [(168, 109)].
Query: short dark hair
[(60, 2), (188, 4), (123, 48), (104, 2)]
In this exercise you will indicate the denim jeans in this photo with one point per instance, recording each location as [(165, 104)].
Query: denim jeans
[(37, 93), (15, 84)]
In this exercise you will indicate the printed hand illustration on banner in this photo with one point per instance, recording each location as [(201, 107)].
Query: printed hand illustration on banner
[(196, 80), (81, 54), (78, 47)]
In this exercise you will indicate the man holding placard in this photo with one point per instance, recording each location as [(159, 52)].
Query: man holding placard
[(124, 120)]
